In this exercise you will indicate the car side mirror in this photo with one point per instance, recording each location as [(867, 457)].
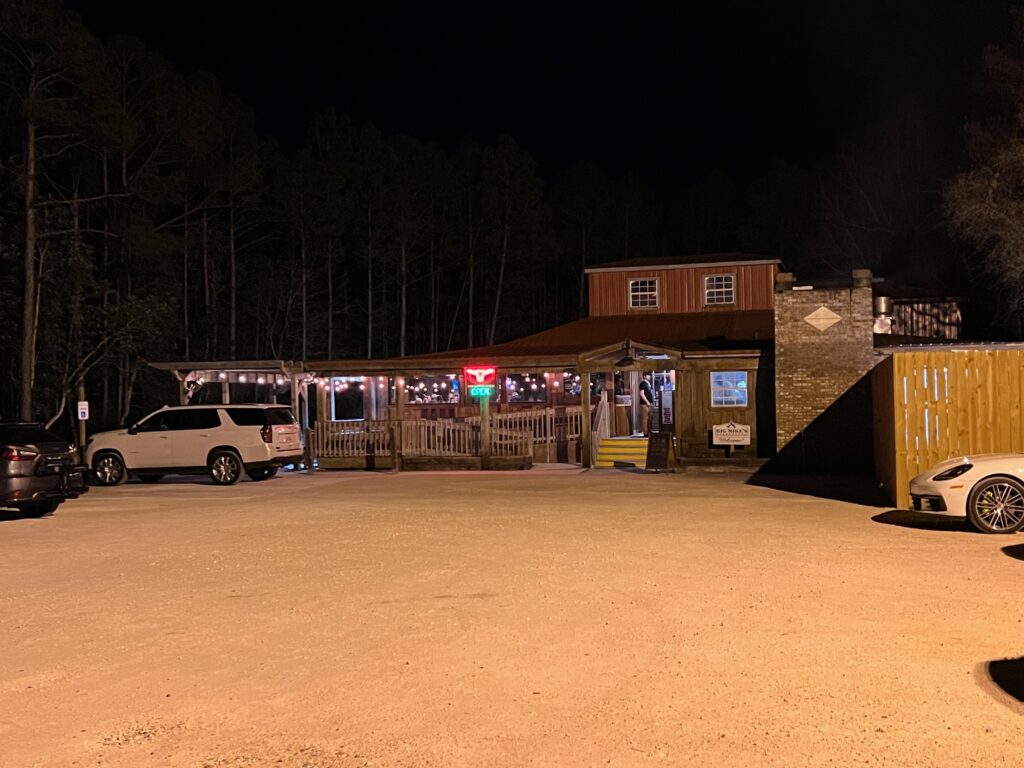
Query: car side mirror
[(133, 429)]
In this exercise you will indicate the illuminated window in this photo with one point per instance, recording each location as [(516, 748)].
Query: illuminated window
[(729, 389), (720, 289), (526, 388), (643, 294)]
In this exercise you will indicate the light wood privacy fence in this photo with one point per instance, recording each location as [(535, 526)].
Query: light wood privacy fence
[(937, 404)]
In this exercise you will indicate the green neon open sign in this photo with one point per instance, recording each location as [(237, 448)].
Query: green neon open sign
[(481, 390)]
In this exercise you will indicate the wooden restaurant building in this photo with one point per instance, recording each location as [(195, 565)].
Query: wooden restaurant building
[(727, 340)]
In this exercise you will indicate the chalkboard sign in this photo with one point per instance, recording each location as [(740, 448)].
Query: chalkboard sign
[(658, 446)]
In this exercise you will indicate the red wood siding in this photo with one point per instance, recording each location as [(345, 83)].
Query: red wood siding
[(682, 290)]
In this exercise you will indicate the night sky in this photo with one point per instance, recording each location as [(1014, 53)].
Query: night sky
[(667, 92)]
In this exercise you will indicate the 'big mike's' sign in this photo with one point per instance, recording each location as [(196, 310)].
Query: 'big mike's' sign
[(730, 433)]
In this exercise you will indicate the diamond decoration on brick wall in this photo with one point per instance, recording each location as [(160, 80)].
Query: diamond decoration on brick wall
[(823, 318)]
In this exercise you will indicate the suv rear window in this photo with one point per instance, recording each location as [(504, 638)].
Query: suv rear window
[(26, 434), (260, 417)]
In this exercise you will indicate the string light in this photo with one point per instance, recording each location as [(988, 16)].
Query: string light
[(241, 378)]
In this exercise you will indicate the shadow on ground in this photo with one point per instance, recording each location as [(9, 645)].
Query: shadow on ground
[(10, 515), (855, 489), (1008, 676), (1016, 551), (924, 522)]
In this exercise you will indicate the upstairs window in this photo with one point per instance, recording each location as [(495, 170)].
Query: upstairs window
[(643, 294), (729, 389), (719, 289)]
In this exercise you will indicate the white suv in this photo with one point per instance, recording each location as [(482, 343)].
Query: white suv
[(222, 440)]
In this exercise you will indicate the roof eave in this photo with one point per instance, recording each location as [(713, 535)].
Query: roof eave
[(700, 265)]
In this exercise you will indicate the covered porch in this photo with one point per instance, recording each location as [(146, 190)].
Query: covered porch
[(558, 397)]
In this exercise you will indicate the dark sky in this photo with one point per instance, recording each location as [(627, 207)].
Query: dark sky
[(671, 90)]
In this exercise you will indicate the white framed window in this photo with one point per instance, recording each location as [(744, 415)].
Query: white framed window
[(643, 293), (719, 289), (729, 389)]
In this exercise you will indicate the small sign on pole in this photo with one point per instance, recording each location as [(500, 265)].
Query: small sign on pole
[(480, 380), (83, 410), (730, 433)]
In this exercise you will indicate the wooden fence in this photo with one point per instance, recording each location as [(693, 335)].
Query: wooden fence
[(544, 426), (352, 439), (937, 404), (515, 433), (440, 437)]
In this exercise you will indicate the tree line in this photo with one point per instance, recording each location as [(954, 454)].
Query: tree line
[(144, 217)]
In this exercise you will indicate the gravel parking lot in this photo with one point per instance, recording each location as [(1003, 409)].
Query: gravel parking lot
[(501, 619)]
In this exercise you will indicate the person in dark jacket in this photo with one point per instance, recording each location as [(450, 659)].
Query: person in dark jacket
[(646, 401)]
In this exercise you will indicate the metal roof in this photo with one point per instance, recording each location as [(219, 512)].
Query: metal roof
[(680, 262)]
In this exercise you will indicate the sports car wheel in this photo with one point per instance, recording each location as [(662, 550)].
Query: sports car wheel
[(996, 505)]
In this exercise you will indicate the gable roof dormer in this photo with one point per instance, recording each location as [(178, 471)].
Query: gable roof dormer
[(675, 284)]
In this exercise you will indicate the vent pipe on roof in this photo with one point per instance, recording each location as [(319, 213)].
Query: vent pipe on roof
[(883, 314)]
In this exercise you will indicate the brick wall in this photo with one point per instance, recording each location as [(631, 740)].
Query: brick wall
[(822, 398)]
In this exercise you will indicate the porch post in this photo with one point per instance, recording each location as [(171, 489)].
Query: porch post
[(324, 390), (677, 405), (585, 458), (399, 426), (368, 383), (609, 388), (485, 432)]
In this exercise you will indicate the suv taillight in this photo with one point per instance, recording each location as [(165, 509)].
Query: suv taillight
[(267, 433), (14, 454)]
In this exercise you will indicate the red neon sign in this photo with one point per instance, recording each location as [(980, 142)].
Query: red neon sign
[(480, 376)]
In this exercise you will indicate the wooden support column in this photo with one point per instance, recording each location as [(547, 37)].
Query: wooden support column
[(609, 396), (400, 419), (400, 397), (677, 416), (300, 417), (367, 383), (485, 432), (585, 457)]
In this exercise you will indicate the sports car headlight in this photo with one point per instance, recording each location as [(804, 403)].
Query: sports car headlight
[(956, 471)]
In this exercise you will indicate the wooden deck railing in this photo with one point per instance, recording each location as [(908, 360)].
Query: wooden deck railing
[(512, 434), (440, 437), (543, 424), (352, 439)]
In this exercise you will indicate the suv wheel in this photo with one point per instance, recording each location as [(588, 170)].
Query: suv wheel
[(262, 474), (225, 467), (109, 469)]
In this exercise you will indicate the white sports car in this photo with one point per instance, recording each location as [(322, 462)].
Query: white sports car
[(987, 488)]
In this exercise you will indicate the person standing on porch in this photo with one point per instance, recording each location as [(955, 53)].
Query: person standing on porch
[(646, 401)]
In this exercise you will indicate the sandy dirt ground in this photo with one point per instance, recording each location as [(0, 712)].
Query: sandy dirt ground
[(547, 618)]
